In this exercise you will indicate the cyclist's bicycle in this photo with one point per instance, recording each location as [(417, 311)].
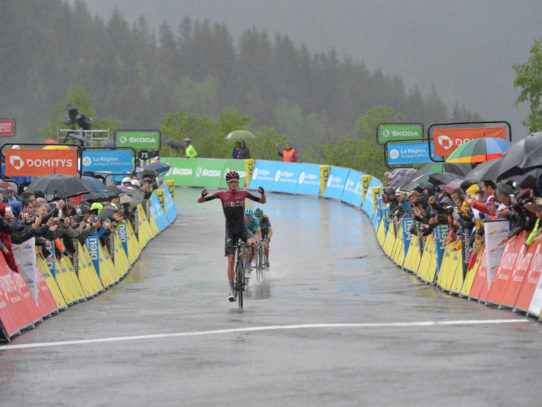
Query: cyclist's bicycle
[(241, 254), (260, 261)]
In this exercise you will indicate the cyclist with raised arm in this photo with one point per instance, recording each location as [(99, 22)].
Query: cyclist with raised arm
[(233, 204), (253, 227), (266, 230)]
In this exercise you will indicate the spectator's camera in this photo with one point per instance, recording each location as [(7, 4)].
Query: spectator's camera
[(538, 200), (28, 218)]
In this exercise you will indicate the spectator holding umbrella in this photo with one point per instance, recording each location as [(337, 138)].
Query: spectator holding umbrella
[(236, 150), (244, 152)]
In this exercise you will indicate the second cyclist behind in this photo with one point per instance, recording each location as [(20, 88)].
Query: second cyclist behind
[(266, 230), (253, 228), (233, 204)]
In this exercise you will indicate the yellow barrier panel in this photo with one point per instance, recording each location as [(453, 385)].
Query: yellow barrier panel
[(399, 256), (458, 278), (423, 269), (108, 261), (471, 274), (413, 255), (74, 282), (430, 277), (171, 186), (250, 163), (80, 289), (152, 224), (63, 281), (455, 262), (134, 249), (106, 275), (389, 241), (381, 233), (377, 192), (121, 261), (161, 195), (324, 174), (145, 233), (90, 270), (51, 283), (365, 183), (445, 265)]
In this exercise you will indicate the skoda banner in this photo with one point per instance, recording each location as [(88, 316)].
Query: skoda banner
[(202, 172), (112, 161), (336, 182), (138, 139), (398, 132)]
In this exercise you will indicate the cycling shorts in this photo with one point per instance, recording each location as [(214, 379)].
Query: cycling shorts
[(232, 236)]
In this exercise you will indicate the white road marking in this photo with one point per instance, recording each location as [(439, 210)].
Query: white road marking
[(263, 328)]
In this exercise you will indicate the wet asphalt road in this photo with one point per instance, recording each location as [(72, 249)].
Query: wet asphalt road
[(166, 335)]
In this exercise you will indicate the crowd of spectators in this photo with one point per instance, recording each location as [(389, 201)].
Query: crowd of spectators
[(464, 205), (59, 224)]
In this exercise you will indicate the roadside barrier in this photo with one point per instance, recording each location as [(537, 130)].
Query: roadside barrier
[(58, 284), (514, 283)]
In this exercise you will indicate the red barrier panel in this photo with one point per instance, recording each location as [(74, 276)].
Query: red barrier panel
[(505, 269), (29, 302), (479, 286), (15, 298), (519, 273), (530, 282), (46, 301), (8, 321)]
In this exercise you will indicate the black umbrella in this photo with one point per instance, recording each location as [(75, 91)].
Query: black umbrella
[(527, 180), (113, 191), (521, 156), (176, 144), (149, 172), (59, 185), (107, 211), (95, 197), (95, 184), (414, 182), (488, 170), (137, 195), (441, 178), (159, 167)]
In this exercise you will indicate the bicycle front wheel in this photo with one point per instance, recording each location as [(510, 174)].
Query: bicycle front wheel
[(240, 281)]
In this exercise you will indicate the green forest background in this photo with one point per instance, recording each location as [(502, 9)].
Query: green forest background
[(193, 80)]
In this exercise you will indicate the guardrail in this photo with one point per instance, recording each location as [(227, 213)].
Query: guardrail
[(50, 286)]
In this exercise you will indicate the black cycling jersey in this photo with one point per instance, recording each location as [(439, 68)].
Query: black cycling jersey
[(233, 204)]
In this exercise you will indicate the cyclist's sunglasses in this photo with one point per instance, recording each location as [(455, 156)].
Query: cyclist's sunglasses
[(233, 181)]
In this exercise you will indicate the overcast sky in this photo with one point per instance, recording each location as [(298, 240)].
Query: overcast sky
[(466, 48)]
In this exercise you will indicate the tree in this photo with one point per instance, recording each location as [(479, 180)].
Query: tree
[(360, 151), (85, 105), (529, 79)]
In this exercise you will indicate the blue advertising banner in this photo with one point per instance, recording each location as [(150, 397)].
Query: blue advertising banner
[(113, 161), (263, 175), (171, 210), (407, 153), (336, 182), (441, 234), (386, 217), (378, 213), (123, 236), (93, 247), (353, 192), (407, 237), (308, 181), (158, 213), (287, 177), (368, 204)]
